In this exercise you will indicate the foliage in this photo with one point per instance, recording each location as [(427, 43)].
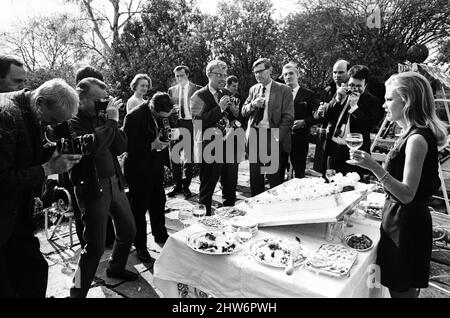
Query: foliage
[(48, 45), (169, 33), (329, 30), (240, 33)]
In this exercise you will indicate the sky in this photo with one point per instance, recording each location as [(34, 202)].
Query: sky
[(14, 10)]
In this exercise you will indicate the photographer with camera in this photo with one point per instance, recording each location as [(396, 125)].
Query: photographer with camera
[(352, 110), (144, 168), (99, 186), (24, 165)]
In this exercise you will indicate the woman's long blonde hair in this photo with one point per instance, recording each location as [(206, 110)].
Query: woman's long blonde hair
[(420, 109)]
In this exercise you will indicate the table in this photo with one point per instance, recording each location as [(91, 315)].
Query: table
[(240, 276)]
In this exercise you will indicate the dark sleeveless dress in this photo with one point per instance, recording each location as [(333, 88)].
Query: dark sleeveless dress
[(404, 250)]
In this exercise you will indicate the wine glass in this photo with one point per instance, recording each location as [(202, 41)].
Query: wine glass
[(244, 233), (199, 212), (353, 141), (185, 216)]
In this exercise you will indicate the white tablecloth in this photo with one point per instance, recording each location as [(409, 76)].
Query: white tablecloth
[(239, 275)]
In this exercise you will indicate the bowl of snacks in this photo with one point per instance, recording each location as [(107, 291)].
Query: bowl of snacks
[(359, 242), (213, 223)]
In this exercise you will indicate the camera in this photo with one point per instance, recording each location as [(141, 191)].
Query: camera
[(101, 104), (66, 141), (228, 119), (165, 125)]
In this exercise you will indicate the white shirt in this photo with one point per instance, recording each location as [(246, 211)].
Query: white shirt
[(295, 91), (264, 123), (187, 113)]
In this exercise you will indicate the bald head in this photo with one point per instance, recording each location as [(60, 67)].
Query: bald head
[(340, 70)]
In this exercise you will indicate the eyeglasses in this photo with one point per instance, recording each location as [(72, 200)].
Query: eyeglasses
[(220, 75), (259, 71), (354, 85)]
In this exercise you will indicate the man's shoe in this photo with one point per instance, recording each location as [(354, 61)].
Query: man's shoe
[(125, 275), (144, 256), (187, 193), (174, 192)]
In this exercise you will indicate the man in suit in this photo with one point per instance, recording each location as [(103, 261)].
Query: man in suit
[(144, 169), (208, 108), (12, 74), (269, 106), (24, 165), (99, 186), (181, 95), (352, 110), (305, 104)]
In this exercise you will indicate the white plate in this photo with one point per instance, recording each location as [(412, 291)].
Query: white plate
[(229, 212), (222, 239), (338, 260), (213, 223), (278, 254)]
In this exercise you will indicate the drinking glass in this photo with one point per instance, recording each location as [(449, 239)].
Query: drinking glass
[(185, 216), (330, 173), (244, 233), (353, 141), (199, 212)]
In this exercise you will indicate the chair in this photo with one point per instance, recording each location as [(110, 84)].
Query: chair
[(62, 208)]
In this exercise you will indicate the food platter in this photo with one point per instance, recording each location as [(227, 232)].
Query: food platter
[(213, 242), (359, 242), (332, 260), (277, 252), (213, 223), (229, 212)]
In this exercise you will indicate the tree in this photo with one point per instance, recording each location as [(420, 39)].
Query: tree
[(167, 34), (341, 32), (240, 33), (107, 22), (48, 45)]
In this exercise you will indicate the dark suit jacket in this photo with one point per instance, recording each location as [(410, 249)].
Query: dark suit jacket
[(174, 93), (361, 120), (305, 104), (109, 140), (280, 110), (21, 156), (142, 165)]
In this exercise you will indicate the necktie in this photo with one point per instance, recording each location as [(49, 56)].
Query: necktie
[(182, 102), (260, 110)]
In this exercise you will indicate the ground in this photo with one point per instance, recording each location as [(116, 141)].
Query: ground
[(62, 258)]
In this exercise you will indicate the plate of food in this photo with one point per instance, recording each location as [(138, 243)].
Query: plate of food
[(374, 211), (277, 252), (229, 212), (333, 260), (213, 223), (213, 242), (359, 242)]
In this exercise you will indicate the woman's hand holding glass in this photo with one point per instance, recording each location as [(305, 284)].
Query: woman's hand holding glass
[(362, 159)]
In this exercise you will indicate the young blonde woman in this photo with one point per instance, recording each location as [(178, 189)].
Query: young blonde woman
[(140, 85), (409, 177)]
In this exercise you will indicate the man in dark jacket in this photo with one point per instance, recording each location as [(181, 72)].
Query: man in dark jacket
[(24, 165), (144, 169), (304, 106), (99, 186), (352, 110)]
